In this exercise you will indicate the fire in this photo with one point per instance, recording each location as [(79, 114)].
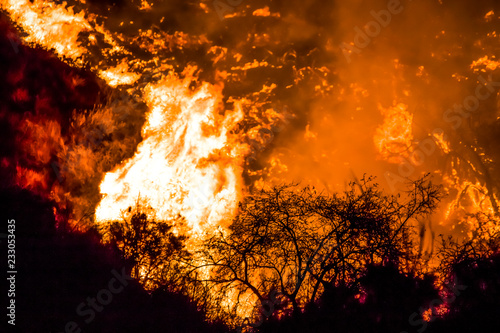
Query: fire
[(394, 137), (49, 24), (119, 75), (188, 163), (211, 131), (444, 145), (484, 63), (473, 199)]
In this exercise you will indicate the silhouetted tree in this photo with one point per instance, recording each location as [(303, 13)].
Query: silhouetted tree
[(157, 253), (300, 242), (483, 240), (471, 266), (60, 268)]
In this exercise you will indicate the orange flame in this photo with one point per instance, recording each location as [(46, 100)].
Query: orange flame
[(394, 137), (46, 22), (188, 163)]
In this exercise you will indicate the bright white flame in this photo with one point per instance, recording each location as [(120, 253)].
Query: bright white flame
[(186, 164)]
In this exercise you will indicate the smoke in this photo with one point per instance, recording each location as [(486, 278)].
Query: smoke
[(316, 82)]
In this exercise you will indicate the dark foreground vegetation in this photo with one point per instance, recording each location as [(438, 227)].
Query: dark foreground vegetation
[(59, 269), (356, 270), (346, 262)]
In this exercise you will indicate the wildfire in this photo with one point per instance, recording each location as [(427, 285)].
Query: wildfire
[(188, 162), (484, 63), (444, 145), (473, 199), (208, 113), (49, 24), (394, 137), (119, 75)]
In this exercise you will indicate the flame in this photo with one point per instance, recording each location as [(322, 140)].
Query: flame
[(188, 162), (48, 23), (472, 199), (393, 139), (489, 16), (443, 144), (484, 64), (197, 142), (119, 75)]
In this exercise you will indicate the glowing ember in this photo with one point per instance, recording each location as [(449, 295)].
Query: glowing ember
[(484, 63)]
